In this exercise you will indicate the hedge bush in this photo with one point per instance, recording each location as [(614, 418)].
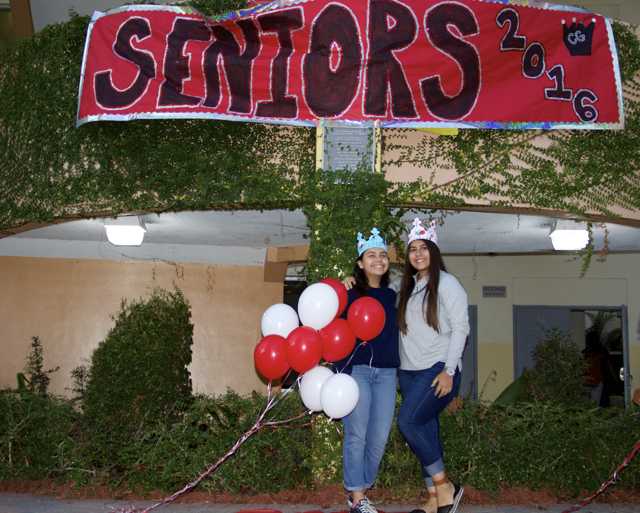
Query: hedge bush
[(142, 429), (138, 377), (35, 435), (534, 445), (541, 445), (537, 445), (274, 459)]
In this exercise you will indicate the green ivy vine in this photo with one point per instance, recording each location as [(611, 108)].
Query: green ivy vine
[(52, 170), (338, 205)]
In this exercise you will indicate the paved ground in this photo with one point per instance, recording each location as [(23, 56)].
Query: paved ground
[(25, 503)]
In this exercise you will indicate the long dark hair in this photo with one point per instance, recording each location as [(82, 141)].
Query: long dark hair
[(430, 297), (362, 283)]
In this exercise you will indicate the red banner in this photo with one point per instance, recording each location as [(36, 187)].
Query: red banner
[(415, 63)]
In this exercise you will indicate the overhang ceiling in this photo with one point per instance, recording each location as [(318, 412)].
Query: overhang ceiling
[(241, 237)]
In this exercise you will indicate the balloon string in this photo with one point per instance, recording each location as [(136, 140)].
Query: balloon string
[(282, 393), (353, 353), (285, 421)]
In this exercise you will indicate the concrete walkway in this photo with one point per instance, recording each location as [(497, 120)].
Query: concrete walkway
[(25, 503)]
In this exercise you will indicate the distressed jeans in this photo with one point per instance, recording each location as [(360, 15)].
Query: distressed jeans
[(418, 417), (366, 428)]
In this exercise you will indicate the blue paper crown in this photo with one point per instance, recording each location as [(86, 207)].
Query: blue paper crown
[(374, 241)]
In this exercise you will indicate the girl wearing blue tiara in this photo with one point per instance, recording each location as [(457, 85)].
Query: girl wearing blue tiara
[(374, 367), (434, 324)]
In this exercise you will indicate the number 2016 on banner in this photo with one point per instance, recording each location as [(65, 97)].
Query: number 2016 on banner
[(577, 38)]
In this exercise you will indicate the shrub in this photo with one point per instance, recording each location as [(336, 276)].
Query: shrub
[(138, 376), (35, 435), (35, 428), (540, 446), (566, 450), (79, 377), (558, 373), (536, 445), (168, 456), (35, 379)]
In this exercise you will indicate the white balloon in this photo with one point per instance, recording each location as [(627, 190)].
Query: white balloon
[(279, 319), (339, 395), (318, 305), (311, 386)]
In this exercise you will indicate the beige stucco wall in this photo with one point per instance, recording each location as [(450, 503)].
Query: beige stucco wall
[(542, 280), (69, 304)]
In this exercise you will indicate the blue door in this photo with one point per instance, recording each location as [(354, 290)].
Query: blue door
[(469, 385), (530, 323)]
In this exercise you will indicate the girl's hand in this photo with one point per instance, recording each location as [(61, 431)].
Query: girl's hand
[(349, 282), (443, 383)]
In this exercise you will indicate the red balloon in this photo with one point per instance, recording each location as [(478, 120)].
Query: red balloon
[(304, 349), (366, 318), (337, 340), (270, 357), (341, 290)]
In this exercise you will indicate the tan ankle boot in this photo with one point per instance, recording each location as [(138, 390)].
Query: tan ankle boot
[(431, 505)]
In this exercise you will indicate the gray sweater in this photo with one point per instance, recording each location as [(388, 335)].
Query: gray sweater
[(422, 347)]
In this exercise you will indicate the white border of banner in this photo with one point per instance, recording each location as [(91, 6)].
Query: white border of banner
[(276, 4)]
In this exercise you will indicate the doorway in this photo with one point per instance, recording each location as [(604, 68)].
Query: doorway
[(590, 327)]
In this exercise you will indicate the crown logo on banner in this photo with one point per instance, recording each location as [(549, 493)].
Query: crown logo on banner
[(418, 231), (374, 241), (577, 38)]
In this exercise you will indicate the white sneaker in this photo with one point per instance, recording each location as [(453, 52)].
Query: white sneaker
[(363, 506)]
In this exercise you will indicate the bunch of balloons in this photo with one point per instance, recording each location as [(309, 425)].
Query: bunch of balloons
[(323, 335)]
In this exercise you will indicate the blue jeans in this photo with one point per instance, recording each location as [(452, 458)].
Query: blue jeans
[(418, 417), (366, 428)]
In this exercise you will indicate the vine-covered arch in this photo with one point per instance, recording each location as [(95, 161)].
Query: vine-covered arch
[(52, 171)]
